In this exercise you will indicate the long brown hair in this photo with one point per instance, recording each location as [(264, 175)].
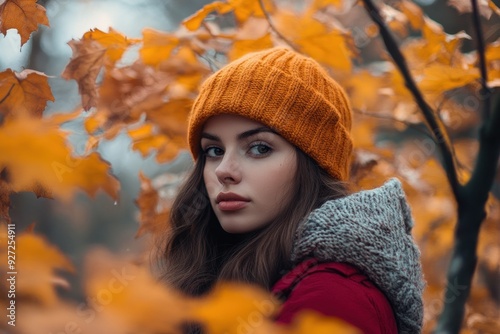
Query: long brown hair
[(196, 251)]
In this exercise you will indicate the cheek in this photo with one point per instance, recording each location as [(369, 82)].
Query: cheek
[(208, 178), (277, 184)]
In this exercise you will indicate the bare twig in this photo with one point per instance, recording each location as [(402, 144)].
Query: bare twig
[(273, 27), (430, 117), (485, 90)]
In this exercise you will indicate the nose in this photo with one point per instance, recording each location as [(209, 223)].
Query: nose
[(228, 171)]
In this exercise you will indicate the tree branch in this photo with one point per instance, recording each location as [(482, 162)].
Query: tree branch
[(273, 27), (430, 117), (485, 90), (471, 214)]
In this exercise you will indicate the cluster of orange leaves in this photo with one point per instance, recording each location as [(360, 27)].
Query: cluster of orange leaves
[(149, 99)]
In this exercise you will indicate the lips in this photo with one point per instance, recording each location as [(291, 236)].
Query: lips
[(231, 201)]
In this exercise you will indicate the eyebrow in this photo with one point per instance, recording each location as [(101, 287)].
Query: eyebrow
[(242, 135)]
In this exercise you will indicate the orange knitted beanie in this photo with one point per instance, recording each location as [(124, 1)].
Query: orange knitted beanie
[(288, 92)]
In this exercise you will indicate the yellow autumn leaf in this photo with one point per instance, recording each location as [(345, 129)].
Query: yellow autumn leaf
[(35, 263), (114, 42), (194, 21), (146, 139), (65, 317), (329, 47), (413, 13), (171, 117), (242, 47), (493, 6), (129, 294), (185, 71), (35, 152), (94, 122), (157, 46), (363, 89), (242, 9), (493, 51), (253, 35), (219, 312), (321, 4), (438, 78), (395, 19)]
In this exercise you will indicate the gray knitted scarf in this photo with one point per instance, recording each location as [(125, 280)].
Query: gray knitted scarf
[(370, 230)]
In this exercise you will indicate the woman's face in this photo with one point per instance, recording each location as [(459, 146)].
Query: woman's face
[(249, 172)]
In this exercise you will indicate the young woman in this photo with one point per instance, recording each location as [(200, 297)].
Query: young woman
[(268, 203)]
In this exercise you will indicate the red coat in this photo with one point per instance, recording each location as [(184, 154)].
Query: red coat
[(337, 290)]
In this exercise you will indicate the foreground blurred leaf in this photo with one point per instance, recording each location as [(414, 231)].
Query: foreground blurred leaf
[(220, 314), (313, 322), (36, 261), (35, 152), (128, 294)]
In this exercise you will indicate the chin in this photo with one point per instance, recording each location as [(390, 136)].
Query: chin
[(230, 228)]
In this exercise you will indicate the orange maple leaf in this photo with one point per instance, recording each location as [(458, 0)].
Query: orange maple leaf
[(86, 63), (26, 92), (35, 153), (23, 15), (242, 9), (330, 47), (437, 78), (194, 21), (114, 42), (147, 139), (157, 46)]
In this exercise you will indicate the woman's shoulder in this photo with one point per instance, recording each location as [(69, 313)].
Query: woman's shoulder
[(338, 290)]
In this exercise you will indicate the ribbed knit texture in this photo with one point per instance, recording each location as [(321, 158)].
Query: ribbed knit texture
[(288, 92), (371, 230)]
